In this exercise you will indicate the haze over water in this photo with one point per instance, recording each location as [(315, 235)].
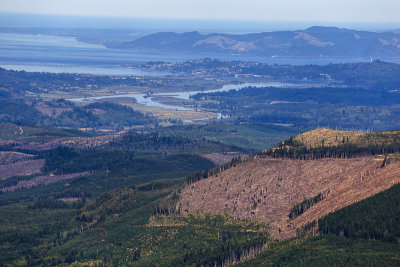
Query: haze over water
[(58, 54)]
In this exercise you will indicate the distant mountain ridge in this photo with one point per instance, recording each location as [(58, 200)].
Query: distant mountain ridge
[(313, 42)]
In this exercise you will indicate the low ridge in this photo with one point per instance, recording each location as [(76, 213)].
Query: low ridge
[(328, 137)]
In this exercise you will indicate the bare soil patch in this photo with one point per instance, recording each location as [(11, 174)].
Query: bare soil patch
[(8, 157), (21, 168)]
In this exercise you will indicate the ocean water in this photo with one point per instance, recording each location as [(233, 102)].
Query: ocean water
[(44, 53)]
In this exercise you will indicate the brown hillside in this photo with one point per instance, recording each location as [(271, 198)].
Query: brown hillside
[(268, 188), (327, 137), (21, 168)]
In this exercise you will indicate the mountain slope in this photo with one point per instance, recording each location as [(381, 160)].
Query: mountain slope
[(314, 41), (291, 193)]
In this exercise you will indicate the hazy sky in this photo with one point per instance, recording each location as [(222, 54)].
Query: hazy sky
[(379, 11)]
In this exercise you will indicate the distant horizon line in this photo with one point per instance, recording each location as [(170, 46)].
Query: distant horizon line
[(29, 20)]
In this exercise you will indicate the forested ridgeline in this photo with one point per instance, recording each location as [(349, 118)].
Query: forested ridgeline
[(62, 113), (343, 151), (65, 160), (376, 218), (91, 172), (101, 162), (169, 144), (204, 174), (18, 82), (31, 139)]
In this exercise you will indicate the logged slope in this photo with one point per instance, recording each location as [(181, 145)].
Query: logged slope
[(274, 188)]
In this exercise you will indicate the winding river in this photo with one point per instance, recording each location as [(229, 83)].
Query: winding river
[(150, 102)]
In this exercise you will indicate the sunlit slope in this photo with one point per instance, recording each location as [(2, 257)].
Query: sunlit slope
[(289, 192), (328, 137)]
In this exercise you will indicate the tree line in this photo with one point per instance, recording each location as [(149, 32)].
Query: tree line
[(377, 218), (204, 174), (302, 207), (340, 151)]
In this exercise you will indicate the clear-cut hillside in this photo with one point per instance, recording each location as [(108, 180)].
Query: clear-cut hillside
[(267, 188)]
